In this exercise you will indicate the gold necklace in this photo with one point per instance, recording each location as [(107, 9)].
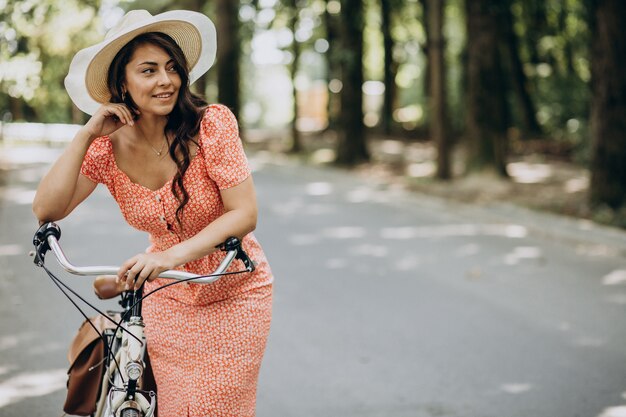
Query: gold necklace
[(160, 151)]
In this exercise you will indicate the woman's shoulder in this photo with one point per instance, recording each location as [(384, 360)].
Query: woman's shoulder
[(101, 146), (218, 117)]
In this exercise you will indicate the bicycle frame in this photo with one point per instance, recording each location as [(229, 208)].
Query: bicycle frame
[(120, 393), (121, 386)]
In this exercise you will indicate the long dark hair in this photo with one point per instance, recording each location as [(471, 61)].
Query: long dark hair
[(184, 120)]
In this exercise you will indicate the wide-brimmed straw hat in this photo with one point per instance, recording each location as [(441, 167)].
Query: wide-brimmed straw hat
[(86, 81)]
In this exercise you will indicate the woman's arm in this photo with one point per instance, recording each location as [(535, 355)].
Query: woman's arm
[(63, 188), (239, 219)]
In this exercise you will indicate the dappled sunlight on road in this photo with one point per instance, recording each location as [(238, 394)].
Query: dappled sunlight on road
[(619, 298), (336, 263), (590, 341), (298, 207), (12, 340), (615, 277), (369, 250), (303, 239), (529, 173), (45, 348), (467, 250), (516, 388), (576, 185), (454, 230), (522, 253), (291, 207), (12, 250), (34, 384), (619, 411), (6, 369), (407, 263), (319, 188), (19, 195), (344, 232), (421, 169), (373, 194)]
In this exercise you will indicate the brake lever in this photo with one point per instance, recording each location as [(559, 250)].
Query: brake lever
[(232, 243), (40, 241)]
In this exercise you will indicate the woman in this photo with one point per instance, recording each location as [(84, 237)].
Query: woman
[(177, 169)]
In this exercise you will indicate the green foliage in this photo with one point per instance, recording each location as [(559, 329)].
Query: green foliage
[(555, 42), (37, 40)]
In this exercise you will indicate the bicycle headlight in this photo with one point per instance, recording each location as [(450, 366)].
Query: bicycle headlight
[(134, 370)]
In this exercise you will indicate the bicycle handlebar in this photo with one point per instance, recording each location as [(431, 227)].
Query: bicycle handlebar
[(48, 235)]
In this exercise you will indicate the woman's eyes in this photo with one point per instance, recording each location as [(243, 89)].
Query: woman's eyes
[(151, 70)]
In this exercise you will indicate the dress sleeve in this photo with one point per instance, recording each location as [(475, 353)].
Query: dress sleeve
[(96, 161), (225, 160)]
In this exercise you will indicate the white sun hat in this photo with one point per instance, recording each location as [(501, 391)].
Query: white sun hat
[(86, 81)]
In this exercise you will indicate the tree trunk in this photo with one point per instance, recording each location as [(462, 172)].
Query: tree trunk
[(536, 26), (519, 79), (436, 62), (568, 51), (352, 147), (608, 104), (425, 49), (390, 68), (16, 106), (332, 64), (486, 100), (296, 143), (227, 25)]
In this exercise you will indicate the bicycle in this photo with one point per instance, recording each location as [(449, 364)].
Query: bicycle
[(121, 393)]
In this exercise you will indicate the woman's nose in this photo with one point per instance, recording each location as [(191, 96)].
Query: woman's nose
[(164, 77)]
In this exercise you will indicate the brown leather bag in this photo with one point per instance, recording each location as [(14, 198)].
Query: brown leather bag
[(86, 351)]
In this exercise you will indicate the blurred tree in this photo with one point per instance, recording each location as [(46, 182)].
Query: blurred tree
[(293, 7), (331, 22), (608, 105), (436, 63), (536, 24), (35, 36), (423, 17), (200, 86), (352, 147), (519, 80), (227, 62), (553, 46), (390, 65), (486, 90)]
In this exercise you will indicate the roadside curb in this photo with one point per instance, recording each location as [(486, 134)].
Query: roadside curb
[(583, 234)]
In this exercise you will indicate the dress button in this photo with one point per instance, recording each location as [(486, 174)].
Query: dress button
[(162, 218), (157, 198)]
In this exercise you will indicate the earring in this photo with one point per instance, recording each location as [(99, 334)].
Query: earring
[(123, 95)]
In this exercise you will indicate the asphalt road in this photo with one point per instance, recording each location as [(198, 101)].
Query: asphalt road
[(386, 304)]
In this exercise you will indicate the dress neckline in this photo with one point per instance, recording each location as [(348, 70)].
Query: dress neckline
[(128, 179)]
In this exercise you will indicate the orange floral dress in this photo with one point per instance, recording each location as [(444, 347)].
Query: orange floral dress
[(205, 341)]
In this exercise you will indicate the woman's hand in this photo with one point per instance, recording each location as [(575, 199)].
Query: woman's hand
[(145, 266), (108, 118)]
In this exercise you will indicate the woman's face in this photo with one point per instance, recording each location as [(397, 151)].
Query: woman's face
[(152, 80)]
